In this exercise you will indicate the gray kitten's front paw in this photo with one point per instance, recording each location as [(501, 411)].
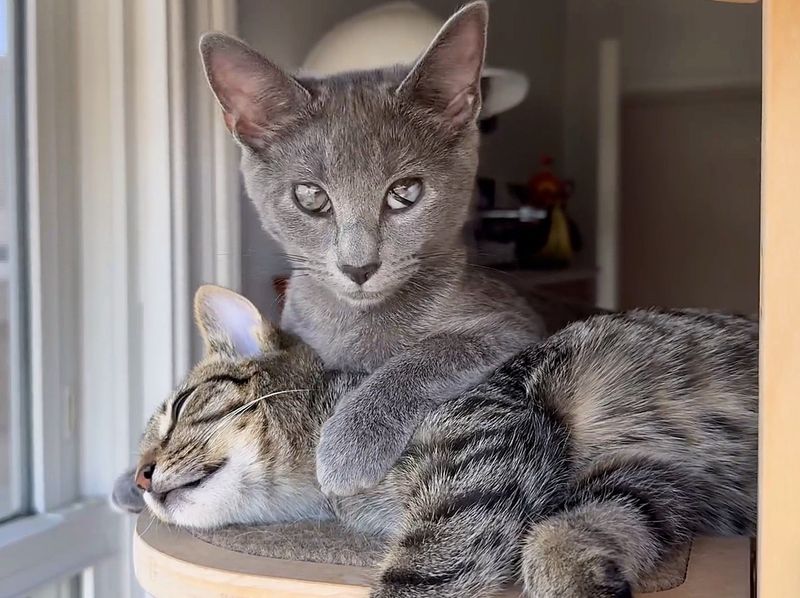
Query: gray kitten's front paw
[(356, 450), (126, 497)]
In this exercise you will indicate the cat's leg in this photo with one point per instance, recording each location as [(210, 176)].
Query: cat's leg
[(474, 552), (373, 423), (470, 496), (572, 556), (622, 520)]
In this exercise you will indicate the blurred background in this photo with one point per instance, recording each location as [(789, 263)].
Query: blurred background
[(625, 174), (651, 110)]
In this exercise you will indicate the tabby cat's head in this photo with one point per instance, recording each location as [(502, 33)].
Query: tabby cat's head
[(235, 442), (363, 176)]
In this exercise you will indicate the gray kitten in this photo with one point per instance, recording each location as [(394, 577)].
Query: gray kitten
[(580, 465), (365, 179)]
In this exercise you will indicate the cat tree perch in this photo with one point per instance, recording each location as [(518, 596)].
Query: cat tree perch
[(242, 563)]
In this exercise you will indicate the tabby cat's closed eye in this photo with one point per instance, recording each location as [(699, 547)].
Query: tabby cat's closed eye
[(311, 198), (404, 194), (179, 401)]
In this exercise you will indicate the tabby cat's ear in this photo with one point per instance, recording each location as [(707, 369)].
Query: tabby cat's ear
[(446, 79), (231, 326), (256, 96)]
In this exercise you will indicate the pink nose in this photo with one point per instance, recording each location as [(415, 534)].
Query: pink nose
[(144, 474)]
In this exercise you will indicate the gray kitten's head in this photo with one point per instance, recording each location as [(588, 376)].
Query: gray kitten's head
[(362, 176)]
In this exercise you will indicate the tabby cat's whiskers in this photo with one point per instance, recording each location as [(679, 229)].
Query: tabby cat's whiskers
[(228, 418)]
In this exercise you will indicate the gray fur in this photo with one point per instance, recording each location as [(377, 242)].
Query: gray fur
[(426, 325), (579, 466), (126, 497)]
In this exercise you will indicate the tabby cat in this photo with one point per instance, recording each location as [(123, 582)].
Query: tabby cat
[(579, 465)]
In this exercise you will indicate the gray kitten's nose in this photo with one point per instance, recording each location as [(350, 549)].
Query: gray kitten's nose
[(360, 274)]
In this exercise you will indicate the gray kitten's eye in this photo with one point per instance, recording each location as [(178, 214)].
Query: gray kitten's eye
[(311, 198), (403, 194)]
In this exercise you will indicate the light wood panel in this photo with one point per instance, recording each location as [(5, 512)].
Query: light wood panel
[(779, 501)]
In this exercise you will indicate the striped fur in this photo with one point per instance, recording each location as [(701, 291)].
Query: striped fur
[(578, 466)]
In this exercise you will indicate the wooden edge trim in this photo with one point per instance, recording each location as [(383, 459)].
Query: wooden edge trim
[(779, 408)]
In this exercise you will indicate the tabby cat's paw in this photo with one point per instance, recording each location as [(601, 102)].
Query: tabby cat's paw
[(591, 578), (607, 580), (356, 450), (562, 559)]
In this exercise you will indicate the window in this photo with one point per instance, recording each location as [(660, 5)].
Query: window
[(49, 532), (95, 306), (12, 477)]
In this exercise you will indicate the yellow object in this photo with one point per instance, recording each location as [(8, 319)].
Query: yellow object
[(559, 245)]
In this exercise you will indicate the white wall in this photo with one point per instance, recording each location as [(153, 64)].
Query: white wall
[(666, 45), (587, 23), (526, 35), (689, 231), (671, 44)]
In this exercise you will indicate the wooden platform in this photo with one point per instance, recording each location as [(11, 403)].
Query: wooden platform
[(170, 562)]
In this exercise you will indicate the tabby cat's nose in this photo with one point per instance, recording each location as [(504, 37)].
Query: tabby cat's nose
[(360, 274), (144, 475)]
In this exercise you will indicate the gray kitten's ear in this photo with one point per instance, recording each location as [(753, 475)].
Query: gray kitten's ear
[(256, 96), (231, 326), (446, 79), (126, 497)]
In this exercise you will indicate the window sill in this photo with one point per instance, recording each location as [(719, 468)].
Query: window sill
[(56, 545)]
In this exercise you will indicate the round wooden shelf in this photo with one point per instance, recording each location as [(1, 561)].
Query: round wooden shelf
[(170, 562)]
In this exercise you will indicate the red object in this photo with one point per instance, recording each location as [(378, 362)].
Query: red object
[(545, 188)]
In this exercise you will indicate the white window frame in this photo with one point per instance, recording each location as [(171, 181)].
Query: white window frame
[(12, 271), (111, 86)]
